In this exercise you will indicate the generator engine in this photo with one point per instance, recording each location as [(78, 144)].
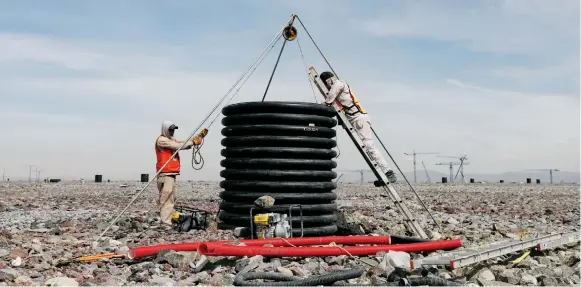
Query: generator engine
[(272, 225)]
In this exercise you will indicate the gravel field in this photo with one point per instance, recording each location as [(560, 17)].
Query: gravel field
[(43, 225)]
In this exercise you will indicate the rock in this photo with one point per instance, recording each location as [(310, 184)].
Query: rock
[(564, 271), (264, 201), (338, 260), (436, 236), (547, 281), (61, 281), (22, 279), (199, 264), (178, 259), (36, 247), (486, 274), (284, 271), (4, 252), (527, 279), (452, 221), (8, 274), (509, 276), (298, 271), (16, 262), (162, 280), (571, 260), (486, 283)]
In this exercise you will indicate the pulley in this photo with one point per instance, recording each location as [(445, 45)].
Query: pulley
[(289, 32)]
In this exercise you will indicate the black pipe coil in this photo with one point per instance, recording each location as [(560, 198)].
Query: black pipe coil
[(284, 150)]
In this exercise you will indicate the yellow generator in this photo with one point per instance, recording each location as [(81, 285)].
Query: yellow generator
[(271, 225)]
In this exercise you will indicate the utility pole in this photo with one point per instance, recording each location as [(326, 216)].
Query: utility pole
[(414, 153), (38, 171), (30, 173), (3, 174)]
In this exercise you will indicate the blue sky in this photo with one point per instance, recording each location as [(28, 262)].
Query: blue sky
[(85, 85)]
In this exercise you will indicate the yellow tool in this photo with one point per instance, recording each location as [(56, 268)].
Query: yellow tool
[(90, 258), (272, 225)]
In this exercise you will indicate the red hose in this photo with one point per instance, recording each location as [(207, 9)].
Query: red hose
[(221, 250), (139, 252)]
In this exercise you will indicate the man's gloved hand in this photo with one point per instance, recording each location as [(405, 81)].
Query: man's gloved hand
[(203, 133), (197, 140)]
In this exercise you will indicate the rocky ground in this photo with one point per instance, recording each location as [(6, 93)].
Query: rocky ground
[(43, 226)]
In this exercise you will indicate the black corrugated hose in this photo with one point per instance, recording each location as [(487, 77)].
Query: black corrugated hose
[(326, 279), (427, 281), (333, 278)]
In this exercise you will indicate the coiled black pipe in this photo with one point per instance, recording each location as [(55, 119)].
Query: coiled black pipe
[(326, 279), (283, 150)]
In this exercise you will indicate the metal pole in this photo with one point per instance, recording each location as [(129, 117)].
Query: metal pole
[(551, 175), (415, 177), (451, 173), (29, 173)]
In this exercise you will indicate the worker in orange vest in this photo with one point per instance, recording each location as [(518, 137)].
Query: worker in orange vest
[(165, 147), (340, 93)]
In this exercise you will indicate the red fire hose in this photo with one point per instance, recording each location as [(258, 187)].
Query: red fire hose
[(222, 250), (139, 252)]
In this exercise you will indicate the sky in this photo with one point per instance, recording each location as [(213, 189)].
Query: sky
[(85, 85)]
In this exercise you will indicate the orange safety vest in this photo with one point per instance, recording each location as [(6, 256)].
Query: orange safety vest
[(356, 104), (163, 156)]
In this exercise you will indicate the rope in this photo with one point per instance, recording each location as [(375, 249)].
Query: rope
[(403, 175), (189, 138), (333, 244), (306, 68), (313, 89), (199, 159), (316, 46), (274, 70), (252, 72)]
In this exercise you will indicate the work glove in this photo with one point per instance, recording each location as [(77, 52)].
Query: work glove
[(198, 140), (203, 133)]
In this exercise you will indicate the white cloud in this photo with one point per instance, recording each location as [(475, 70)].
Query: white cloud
[(510, 26), (499, 130)]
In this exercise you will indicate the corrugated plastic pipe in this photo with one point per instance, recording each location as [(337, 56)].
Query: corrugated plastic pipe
[(139, 252), (221, 250)]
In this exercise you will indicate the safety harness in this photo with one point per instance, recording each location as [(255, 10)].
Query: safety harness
[(355, 104)]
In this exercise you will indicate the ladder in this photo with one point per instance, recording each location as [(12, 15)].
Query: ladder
[(410, 222), (462, 258)]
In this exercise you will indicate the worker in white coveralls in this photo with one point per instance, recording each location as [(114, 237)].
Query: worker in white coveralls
[(165, 146), (339, 91)]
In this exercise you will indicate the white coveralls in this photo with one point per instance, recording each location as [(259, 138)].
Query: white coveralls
[(361, 123)]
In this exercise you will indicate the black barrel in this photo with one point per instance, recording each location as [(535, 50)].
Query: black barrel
[(502, 181), (471, 180), (145, 177), (538, 181), (528, 180), (444, 179), (284, 150), (98, 178)]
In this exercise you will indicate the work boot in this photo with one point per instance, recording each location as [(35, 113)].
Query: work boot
[(390, 176)]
